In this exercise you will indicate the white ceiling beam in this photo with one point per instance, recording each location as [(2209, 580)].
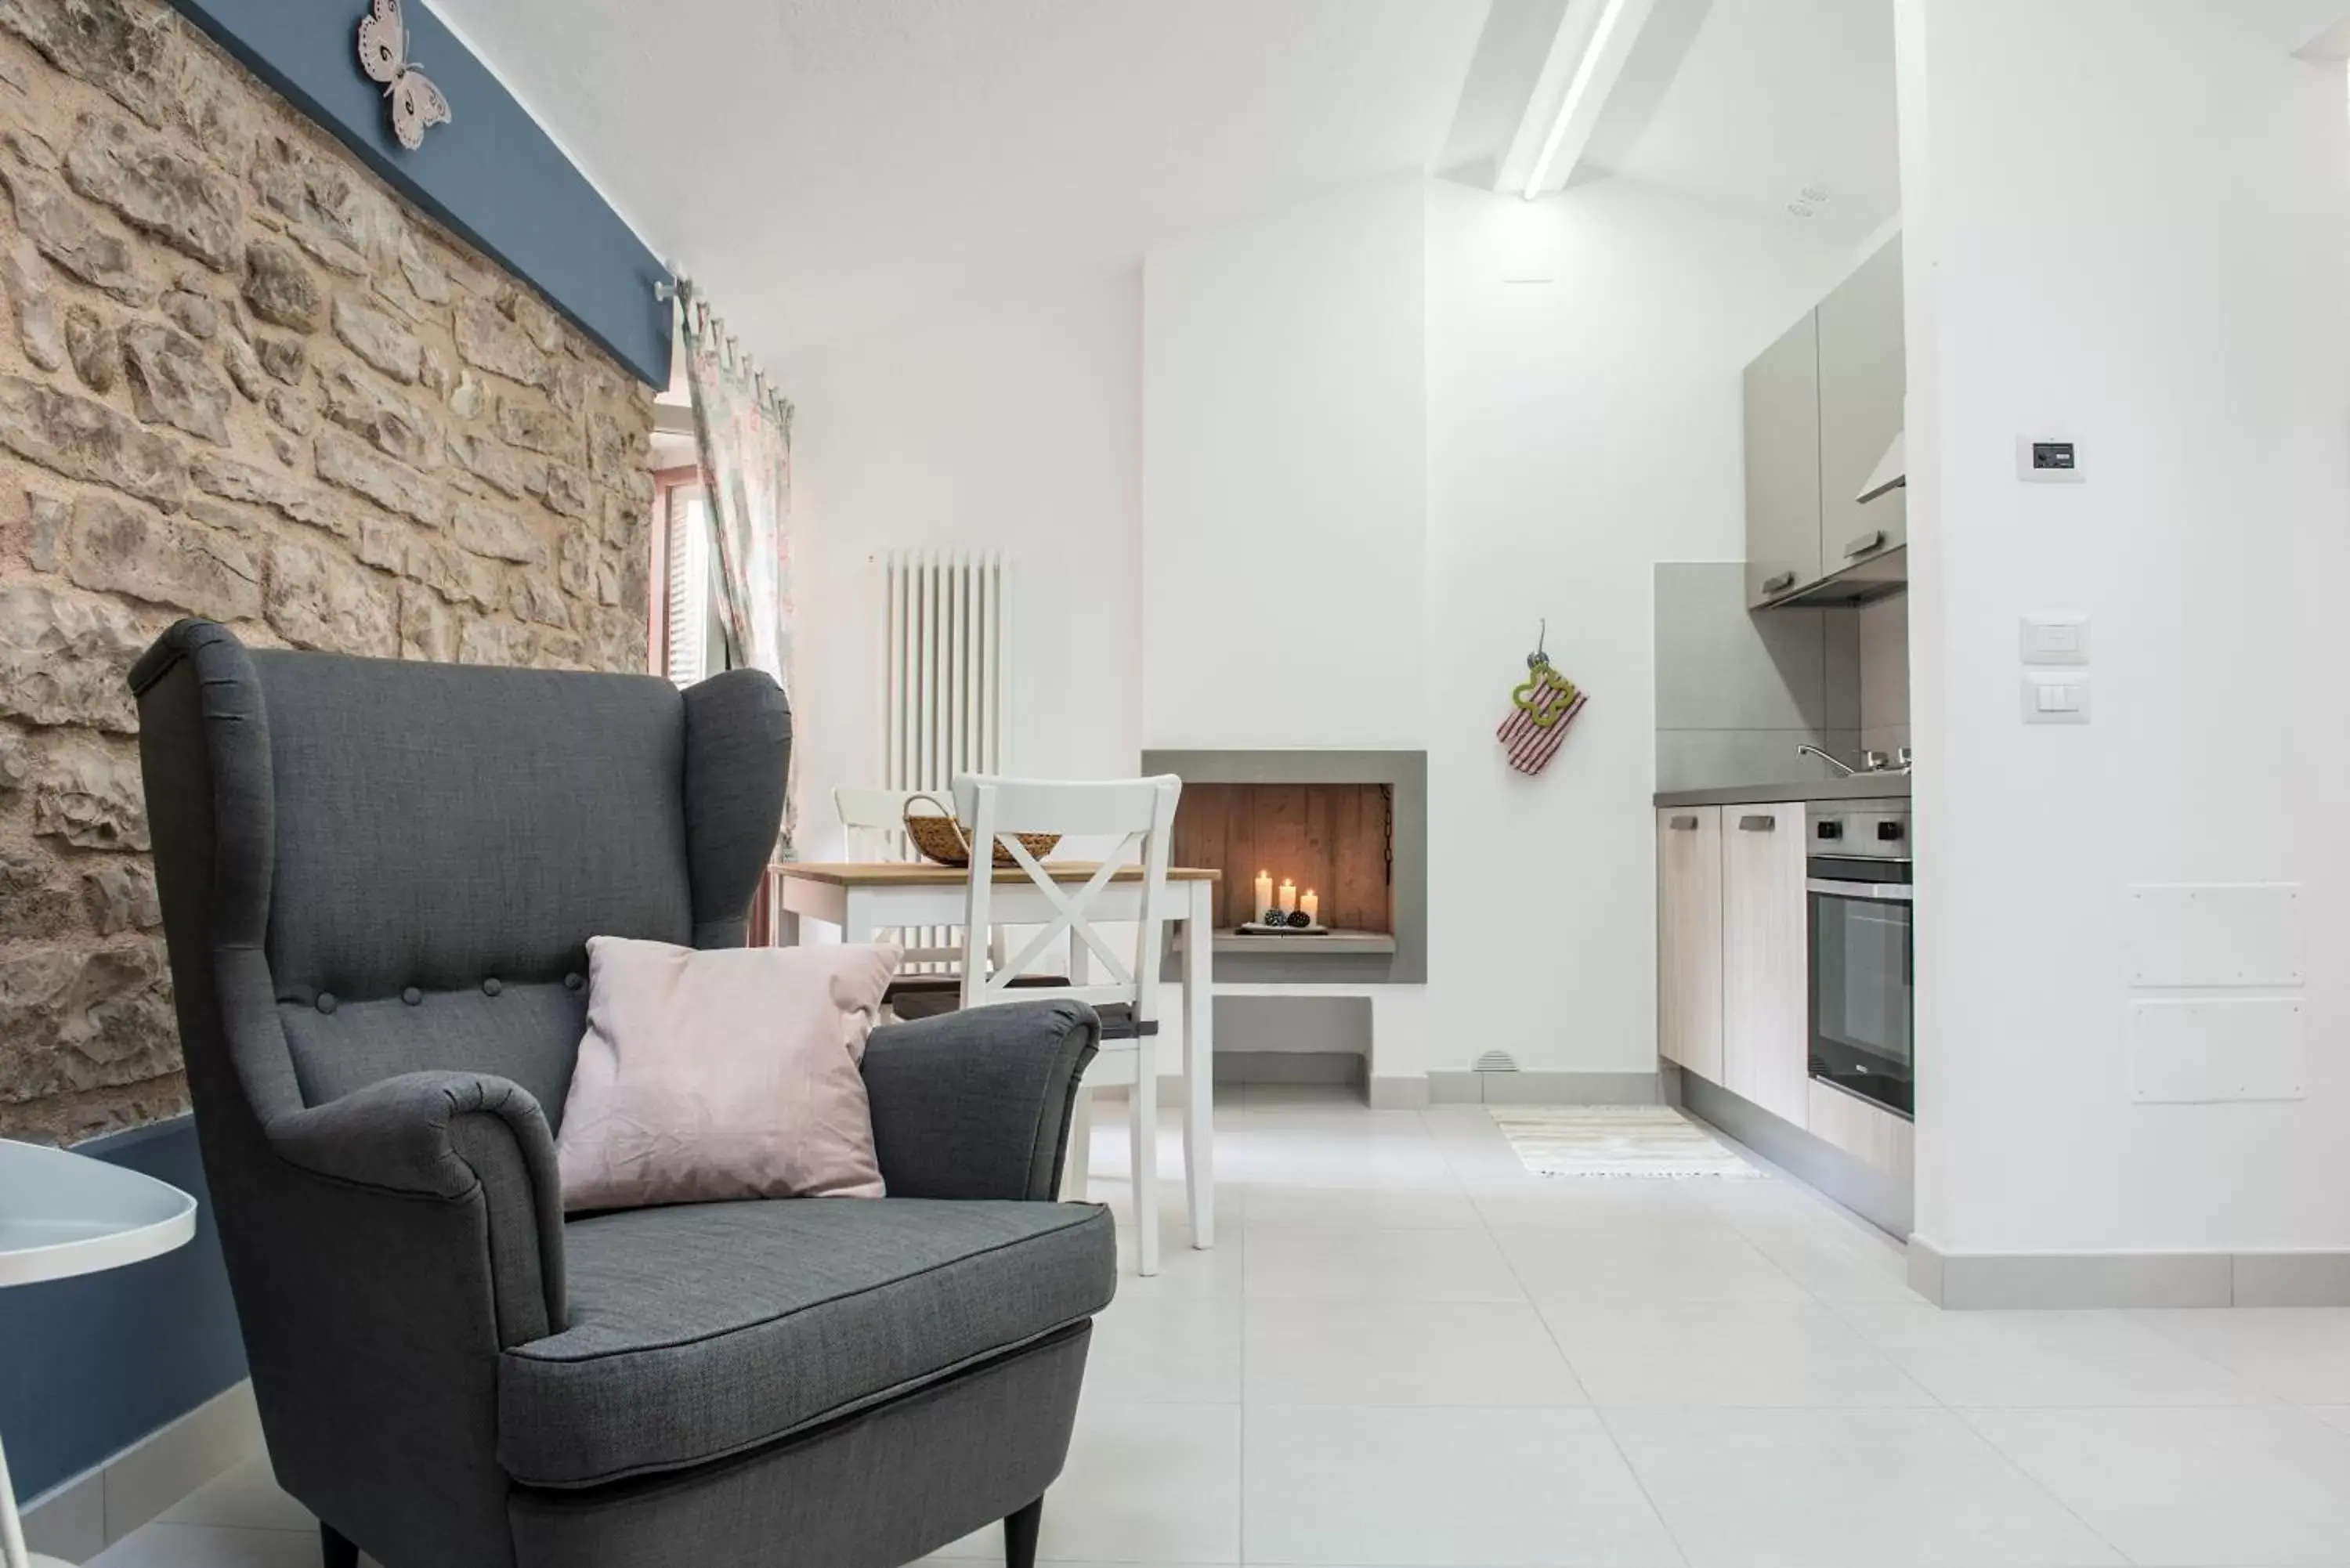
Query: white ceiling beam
[(1587, 59)]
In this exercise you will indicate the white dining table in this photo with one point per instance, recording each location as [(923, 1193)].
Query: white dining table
[(862, 898)]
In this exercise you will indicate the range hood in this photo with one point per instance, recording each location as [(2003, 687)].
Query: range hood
[(1891, 472), (1874, 572)]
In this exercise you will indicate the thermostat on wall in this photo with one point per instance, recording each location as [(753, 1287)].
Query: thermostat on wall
[(2042, 461)]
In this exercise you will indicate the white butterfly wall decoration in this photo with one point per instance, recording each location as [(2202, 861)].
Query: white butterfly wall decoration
[(383, 55)]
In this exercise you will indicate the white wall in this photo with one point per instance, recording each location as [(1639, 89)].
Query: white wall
[(1013, 423), (1580, 431), (2176, 304), (1285, 479)]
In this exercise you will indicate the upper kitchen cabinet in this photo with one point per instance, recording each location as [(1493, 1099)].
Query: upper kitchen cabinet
[(1824, 409), (1782, 465), (1863, 376)]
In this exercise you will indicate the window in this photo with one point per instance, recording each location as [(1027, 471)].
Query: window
[(689, 640)]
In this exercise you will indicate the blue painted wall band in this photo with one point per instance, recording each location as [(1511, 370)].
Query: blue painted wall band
[(493, 177), (90, 1365)]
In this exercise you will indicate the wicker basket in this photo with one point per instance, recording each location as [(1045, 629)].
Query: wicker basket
[(940, 837)]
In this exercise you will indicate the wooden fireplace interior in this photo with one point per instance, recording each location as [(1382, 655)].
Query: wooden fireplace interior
[(1333, 838)]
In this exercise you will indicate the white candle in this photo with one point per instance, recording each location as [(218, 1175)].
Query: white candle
[(1288, 895), (1263, 895), (1311, 904)]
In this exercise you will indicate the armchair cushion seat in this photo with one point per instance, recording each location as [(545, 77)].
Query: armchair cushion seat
[(704, 1330)]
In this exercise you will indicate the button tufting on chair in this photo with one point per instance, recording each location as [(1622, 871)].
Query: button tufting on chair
[(573, 981), (326, 1002), (490, 987), (412, 996)]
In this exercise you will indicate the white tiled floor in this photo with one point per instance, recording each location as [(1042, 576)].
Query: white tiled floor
[(1407, 1353)]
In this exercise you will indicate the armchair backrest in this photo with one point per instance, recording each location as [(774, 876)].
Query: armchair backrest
[(419, 852)]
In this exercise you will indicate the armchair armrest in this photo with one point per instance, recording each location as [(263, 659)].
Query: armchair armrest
[(446, 1136), (976, 1103)]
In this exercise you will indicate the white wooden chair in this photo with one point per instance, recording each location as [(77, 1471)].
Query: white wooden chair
[(1138, 817)]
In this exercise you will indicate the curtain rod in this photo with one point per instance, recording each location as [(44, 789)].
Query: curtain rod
[(697, 320)]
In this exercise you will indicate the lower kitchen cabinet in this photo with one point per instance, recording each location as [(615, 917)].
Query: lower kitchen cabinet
[(1874, 1136), (1765, 962), (1689, 938), (1734, 974)]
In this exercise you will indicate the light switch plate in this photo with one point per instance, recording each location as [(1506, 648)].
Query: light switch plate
[(2055, 698), (2056, 639)]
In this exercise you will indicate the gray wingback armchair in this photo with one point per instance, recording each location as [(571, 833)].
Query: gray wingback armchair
[(379, 880)]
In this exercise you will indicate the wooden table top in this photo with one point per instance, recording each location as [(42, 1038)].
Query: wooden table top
[(922, 874)]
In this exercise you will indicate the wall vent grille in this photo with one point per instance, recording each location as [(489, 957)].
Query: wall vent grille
[(1494, 1062)]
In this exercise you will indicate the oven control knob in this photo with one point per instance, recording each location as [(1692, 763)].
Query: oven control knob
[(1831, 829), (1890, 832)]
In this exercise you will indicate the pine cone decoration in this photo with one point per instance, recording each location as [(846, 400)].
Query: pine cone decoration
[(1299, 920)]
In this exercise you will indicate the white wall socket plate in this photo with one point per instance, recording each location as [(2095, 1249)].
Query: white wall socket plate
[(2055, 698), (2048, 460), (2056, 639)]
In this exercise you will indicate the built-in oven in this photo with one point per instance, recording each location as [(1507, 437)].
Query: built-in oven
[(1860, 887)]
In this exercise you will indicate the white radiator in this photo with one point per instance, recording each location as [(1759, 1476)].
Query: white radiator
[(947, 688), (945, 670)]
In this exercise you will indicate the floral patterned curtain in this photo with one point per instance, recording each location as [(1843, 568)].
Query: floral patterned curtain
[(744, 429)]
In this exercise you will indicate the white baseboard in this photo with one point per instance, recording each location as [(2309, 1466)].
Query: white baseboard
[(80, 1518), (1990, 1280), (1543, 1089)]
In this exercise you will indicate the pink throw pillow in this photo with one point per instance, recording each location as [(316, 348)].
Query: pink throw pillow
[(728, 1073)]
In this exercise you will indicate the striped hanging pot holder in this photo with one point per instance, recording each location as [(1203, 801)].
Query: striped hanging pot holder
[(1540, 711)]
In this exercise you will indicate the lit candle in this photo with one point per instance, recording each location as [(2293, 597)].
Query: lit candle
[(1263, 895), (1311, 904), (1288, 895)]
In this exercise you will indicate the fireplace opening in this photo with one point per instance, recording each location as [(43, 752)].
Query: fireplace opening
[(1335, 842)]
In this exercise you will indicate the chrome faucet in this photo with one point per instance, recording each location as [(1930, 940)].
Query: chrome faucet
[(1841, 766)]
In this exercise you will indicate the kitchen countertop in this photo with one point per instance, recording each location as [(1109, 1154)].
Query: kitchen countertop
[(1867, 786)]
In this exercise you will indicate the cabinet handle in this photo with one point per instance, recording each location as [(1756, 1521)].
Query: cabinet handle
[(1684, 824), (1779, 584), (1872, 540), (1758, 825)]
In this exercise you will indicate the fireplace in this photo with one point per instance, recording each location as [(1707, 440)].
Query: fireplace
[(1346, 1007), (1330, 847), (1351, 826)]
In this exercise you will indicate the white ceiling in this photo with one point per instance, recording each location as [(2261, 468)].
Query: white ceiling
[(1744, 103), (1737, 103), (822, 165)]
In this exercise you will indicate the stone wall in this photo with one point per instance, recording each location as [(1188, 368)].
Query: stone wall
[(238, 379)]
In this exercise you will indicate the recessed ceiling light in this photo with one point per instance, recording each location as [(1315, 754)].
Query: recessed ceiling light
[(1576, 90)]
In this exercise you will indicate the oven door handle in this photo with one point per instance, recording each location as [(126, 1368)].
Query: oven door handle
[(1877, 892)]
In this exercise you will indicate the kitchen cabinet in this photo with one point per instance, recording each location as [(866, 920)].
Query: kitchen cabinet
[(1864, 378), (1870, 1134), (1765, 967), (1782, 465), (1823, 404), (1689, 938)]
